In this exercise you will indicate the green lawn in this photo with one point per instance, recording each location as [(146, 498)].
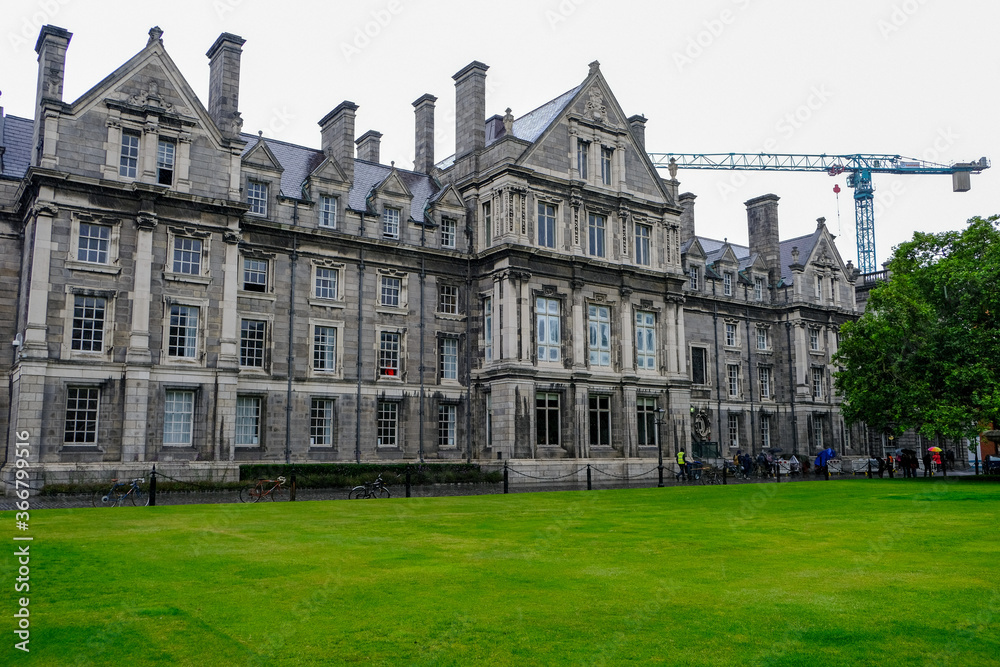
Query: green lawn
[(841, 573)]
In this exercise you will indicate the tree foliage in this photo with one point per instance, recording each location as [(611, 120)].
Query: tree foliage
[(926, 353)]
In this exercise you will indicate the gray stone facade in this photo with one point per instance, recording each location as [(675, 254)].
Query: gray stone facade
[(184, 292)]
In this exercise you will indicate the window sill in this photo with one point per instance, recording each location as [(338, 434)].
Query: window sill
[(77, 265), (81, 449), (389, 310), (454, 317), (254, 370), (326, 303), (184, 278), (264, 296)]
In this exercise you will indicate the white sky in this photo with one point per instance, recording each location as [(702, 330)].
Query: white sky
[(908, 77)]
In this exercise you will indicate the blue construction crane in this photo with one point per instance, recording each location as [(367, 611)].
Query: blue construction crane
[(859, 169)]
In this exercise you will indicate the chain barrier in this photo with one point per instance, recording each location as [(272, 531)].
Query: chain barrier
[(524, 474), (625, 477)]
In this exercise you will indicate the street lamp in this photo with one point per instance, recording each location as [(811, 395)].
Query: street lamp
[(659, 444)]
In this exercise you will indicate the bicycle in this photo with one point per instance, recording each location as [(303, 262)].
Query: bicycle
[(254, 493), (121, 492), (376, 489)]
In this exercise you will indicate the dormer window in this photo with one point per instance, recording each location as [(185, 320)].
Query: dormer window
[(727, 283), (257, 198), (390, 223), (448, 228), (758, 288), (165, 153), (693, 273)]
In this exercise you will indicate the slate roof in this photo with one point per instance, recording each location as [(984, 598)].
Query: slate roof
[(714, 250), (17, 142), (299, 161)]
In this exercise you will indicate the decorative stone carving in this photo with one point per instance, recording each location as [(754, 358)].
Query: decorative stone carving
[(231, 237), (702, 426), (146, 222), (595, 107)]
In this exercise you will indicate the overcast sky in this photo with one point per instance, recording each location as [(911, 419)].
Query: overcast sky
[(908, 77)]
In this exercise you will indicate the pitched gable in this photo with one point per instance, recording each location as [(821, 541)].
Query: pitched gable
[(260, 156)]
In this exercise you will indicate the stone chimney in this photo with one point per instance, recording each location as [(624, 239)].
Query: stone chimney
[(762, 224), (423, 153), (638, 125), (470, 108), (51, 49), (337, 136), (687, 217), (368, 145), (224, 83)]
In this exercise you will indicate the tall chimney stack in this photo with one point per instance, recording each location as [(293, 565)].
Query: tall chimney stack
[(423, 154), (686, 200), (638, 125), (368, 146), (337, 136), (224, 83), (762, 224), (51, 49), (470, 108)]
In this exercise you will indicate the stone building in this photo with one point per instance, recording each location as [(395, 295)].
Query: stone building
[(182, 292)]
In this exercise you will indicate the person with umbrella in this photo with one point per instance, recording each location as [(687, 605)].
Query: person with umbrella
[(823, 458), (936, 457)]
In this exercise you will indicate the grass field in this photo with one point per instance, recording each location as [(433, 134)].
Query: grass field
[(840, 573)]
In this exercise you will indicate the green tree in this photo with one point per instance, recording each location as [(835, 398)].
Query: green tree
[(926, 353)]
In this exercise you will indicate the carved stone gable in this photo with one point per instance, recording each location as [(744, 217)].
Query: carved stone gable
[(595, 107)]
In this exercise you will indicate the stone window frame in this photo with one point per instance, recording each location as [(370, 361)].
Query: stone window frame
[(600, 412), (113, 265), (449, 228), (765, 330), (488, 321), (195, 392), (325, 213), (487, 213), (268, 260), (443, 289), (607, 159), (442, 339), (708, 376), (600, 243), (200, 337), (582, 159), (694, 276), (403, 277), (636, 311), (394, 415), (646, 247), (451, 407), (150, 133), (385, 230), (735, 342), (265, 348), (760, 295), (110, 300), (400, 368), (548, 393), (733, 429), (728, 283), (734, 381), (765, 371), (76, 444), (560, 300), (338, 356), (817, 382), (261, 403), (610, 321), (765, 430), (166, 161), (814, 339), (136, 168), (338, 268), (203, 277), (647, 406), (332, 401), (541, 203), (259, 206)]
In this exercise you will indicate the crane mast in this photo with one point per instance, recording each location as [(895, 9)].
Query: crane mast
[(859, 168)]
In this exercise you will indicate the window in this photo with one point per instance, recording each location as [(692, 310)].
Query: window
[(813, 338), (642, 236), (88, 323), (699, 365), (488, 223), (328, 212), (182, 338), (727, 283), (582, 157), (446, 425), (547, 312), (596, 229), (758, 288), (390, 223), (390, 291), (448, 358), (447, 233), (606, 155), (599, 324), (82, 404), (388, 354), (763, 342), (165, 150), (388, 417), (252, 343), (257, 198), (546, 225), (254, 275), (94, 243), (489, 420), (819, 287), (247, 421), (448, 299), (127, 165), (817, 424), (734, 431), (817, 382), (178, 418), (646, 421), (321, 422), (764, 379), (733, 375), (547, 419), (187, 256), (765, 431), (326, 283), (324, 348), (599, 410), (488, 327), (693, 273), (645, 340), (731, 337)]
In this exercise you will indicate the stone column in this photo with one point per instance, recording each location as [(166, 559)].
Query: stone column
[(508, 323), (629, 427), (138, 356), (578, 324), (35, 345), (627, 337)]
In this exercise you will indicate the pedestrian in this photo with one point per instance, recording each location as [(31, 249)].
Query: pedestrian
[(927, 465), (938, 462), (889, 465), (881, 466), (904, 463), (950, 458), (681, 465), (913, 465)]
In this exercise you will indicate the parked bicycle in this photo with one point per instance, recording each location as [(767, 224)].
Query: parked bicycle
[(376, 489), (263, 489), (121, 492)]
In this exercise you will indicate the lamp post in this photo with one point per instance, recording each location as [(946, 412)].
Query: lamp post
[(659, 444)]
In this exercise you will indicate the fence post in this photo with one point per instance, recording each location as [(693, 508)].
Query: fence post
[(505, 478), (291, 491), (777, 475), (407, 481), (152, 487), (725, 474), (588, 477), (826, 471), (869, 466)]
